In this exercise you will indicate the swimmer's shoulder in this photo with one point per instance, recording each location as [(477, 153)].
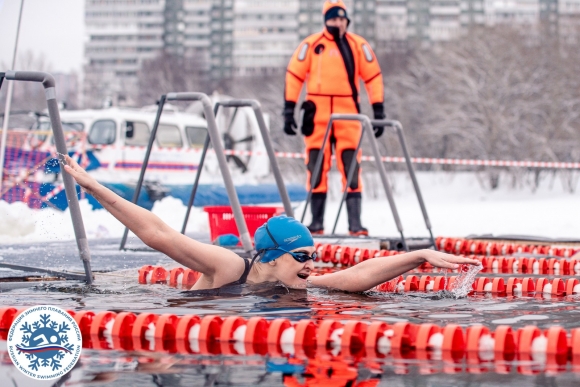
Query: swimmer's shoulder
[(226, 273)]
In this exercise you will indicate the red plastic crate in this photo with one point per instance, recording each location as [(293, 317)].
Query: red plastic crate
[(221, 219)]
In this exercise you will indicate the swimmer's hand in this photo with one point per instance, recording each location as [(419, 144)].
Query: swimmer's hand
[(446, 261), (86, 181)]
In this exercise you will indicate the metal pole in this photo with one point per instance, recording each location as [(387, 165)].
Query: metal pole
[(255, 105), (145, 163), (223, 164), (9, 101), (198, 175), (382, 172), (385, 181), (47, 81), (399, 128), (317, 170), (273, 162), (349, 178), (195, 183)]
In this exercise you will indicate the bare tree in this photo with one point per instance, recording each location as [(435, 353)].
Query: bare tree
[(494, 94), (169, 73)]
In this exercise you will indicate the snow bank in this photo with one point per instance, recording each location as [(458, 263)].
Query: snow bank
[(456, 202)]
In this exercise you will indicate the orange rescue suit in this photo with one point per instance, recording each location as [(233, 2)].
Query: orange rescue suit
[(318, 62)]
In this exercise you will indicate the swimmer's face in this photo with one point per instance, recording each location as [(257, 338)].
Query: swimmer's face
[(291, 272)]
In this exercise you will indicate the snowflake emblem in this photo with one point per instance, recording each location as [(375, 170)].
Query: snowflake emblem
[(45, 343)]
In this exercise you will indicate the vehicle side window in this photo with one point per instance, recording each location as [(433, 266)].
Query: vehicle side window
[(103, 132), (136, 133), (168, 136), (196, 136), (73, 132)]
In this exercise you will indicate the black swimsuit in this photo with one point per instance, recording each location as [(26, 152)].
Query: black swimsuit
[(244, 276), (248, 266)]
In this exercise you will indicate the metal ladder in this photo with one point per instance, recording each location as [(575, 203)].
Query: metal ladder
[(214, 139), (48, 83), (367, 125)]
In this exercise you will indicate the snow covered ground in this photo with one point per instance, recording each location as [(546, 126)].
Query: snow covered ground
[(456, 202)]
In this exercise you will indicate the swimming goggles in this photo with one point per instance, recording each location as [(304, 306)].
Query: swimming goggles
[(298, 256)]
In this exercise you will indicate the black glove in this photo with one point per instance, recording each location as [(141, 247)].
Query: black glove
[(309, 110), (289, 121), (379, 112)]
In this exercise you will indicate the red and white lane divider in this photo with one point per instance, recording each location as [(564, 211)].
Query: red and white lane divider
[(495, 286), (234, 335), (481, 247), (522, 265)]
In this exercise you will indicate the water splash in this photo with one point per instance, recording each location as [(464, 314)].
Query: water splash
[(464, 282)]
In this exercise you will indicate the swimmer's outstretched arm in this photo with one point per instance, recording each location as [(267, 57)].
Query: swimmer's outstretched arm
[(218, 265), (368, 274)]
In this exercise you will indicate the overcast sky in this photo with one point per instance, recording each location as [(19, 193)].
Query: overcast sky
[(54, 28)]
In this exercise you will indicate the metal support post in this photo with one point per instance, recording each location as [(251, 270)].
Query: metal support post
[(317, 169), (47, 81), (350, 176), (365, 122), (398, 127), (145, 163), (206, 145), (221, 157), (255, 105)]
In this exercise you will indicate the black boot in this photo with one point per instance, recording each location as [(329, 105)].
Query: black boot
[(353, 207), (317, 206)]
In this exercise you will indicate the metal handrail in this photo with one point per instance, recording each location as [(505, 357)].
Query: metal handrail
[(215, 140), (48, 83), (366, 125)]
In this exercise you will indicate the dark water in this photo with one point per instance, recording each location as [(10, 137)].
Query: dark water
[(116, 289)]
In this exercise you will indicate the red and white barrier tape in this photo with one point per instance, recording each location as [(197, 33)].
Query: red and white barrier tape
[(388, 159)]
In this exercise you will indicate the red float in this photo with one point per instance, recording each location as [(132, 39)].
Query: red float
[(84, 320), (424, 282), (256, 336), (305, 339), (209, 333), (226, 338), (453, 342), (143, 272), (182, 333), (353, 339), (498, 286), (165, 333), (404, 336), (411, 283), (571, 283), (277, 327), (375, 331), (505, 347), (140, 326), (98, 326), (511, 285), (526, 336), (424, 333), (122, 330)]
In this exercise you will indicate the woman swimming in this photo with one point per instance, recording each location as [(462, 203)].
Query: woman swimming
[(285, 250)]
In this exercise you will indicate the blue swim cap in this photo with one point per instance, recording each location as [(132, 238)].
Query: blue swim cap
[(283, 232)]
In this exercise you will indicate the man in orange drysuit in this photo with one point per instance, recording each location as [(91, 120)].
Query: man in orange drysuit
[(332, 63)]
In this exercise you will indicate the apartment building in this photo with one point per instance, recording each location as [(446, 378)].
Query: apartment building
[(120, 35), (257, 37)]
